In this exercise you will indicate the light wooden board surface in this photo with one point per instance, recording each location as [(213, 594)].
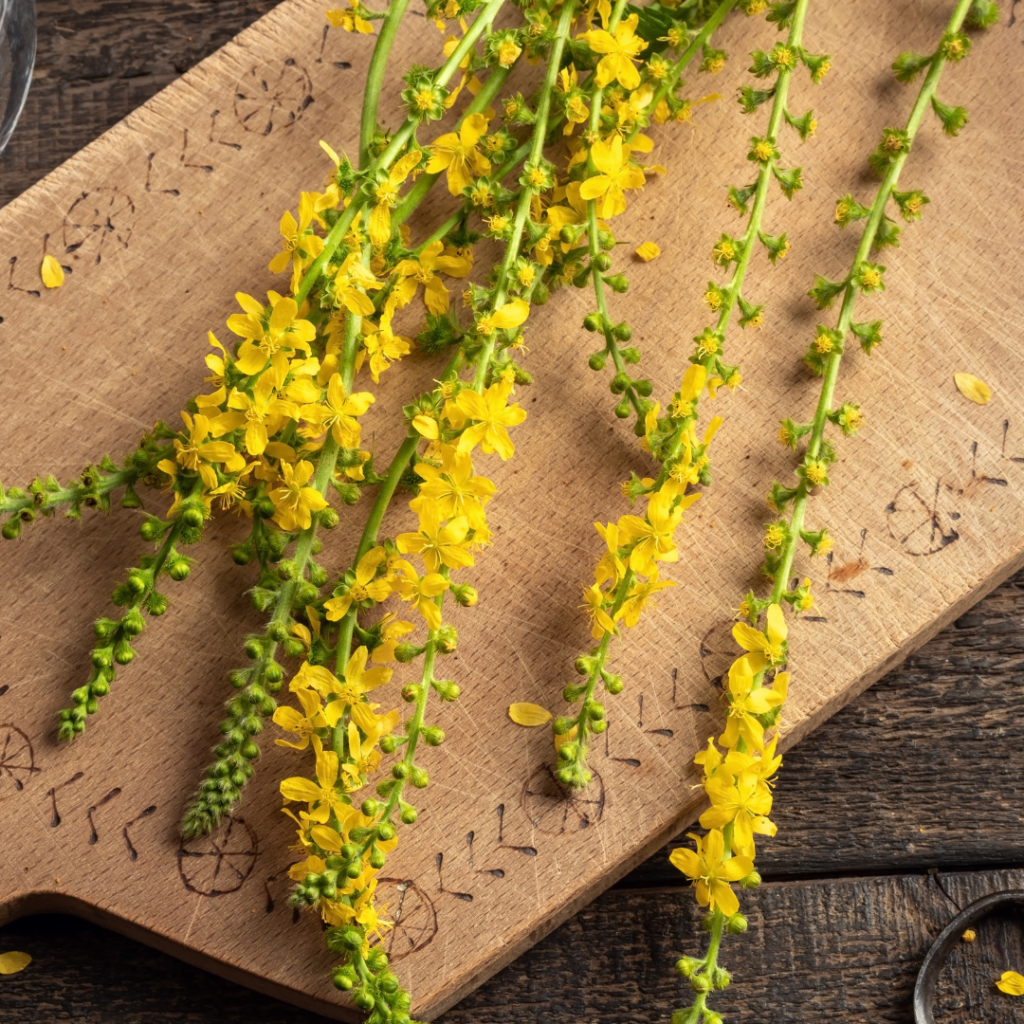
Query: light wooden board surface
[(172, 211)]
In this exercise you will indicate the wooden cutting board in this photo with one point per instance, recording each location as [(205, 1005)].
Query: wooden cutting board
[(163, 218)]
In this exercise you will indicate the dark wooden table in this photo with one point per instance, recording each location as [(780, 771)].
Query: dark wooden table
[(904, 807)]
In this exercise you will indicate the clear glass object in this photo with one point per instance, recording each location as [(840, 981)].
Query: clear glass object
[(17, 56)]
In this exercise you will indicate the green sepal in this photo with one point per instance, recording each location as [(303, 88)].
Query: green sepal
[(907, 66), (869, 335), (781, 13), (952, 118), (825, 291), (748, 312), (983, 14), (740, 197), (790, 180), (848, 210), (750, 98), (887, 235), (776, 245), (910, 204), (804, 125)]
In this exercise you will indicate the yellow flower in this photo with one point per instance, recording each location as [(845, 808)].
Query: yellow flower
[(351, 283), (768, 648), (303, 725), (423, 271), (616, 174), (620, 51), (386, 196), (653, 535), (493, 416), (600, 621), (748, 701), (338, 413), (385, 347), (610, 567), (453, 488), (438, 545), (262, 415), (273, 339), (745, 803), (322, 796), (457, 153), (637, 598), (392, 631), (195, 453), (215, 364), (421, 592), (301, 245), (365, 587), (351, 20), (293, 501), (711, 873)]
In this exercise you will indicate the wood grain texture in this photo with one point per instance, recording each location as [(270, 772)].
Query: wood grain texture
[(148, 326), (840, 950)]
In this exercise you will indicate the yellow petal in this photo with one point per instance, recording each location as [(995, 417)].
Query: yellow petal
[(11, 963), (1011, 982), (52, 274), (510, 315), (529, 714), (971, 387), (648, 251)]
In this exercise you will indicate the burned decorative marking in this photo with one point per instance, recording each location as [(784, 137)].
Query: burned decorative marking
[(554, 809), (265, 103), (17, 758), (413, 914), (55, 818), (466, 897), (93, 834), (919, 526), (98, 222), (218, 864), (529, 851), (133, 854), (494, 872)]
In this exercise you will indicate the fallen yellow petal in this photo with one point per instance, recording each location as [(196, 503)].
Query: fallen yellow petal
[(11, 963), (1011, 983), (52, 274), (529, 714), (970, 387), (648, 251)]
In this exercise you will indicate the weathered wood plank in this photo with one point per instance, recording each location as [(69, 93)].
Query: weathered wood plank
[(922, 770), (844, 951), (961, 467), (97, 60)]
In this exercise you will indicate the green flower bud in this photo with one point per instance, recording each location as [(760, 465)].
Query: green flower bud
[(123, 652), (400, 770), (254, 648), (133, 622), (410, 693), (377, 858), (179, 570), (751, 881), (388, 744), (433, 736), (736, 925), (420, 779), (598, 361), (699, 983), (408, 815)]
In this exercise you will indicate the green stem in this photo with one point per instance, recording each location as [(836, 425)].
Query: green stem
[(540, 129), (375, 76), (719, 15), (398, 142), (885, 190), (425, 182)]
